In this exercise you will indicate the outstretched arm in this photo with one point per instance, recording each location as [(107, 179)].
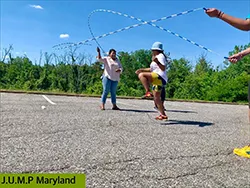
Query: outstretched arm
[(238, 23), (98, 53), (236, 57), (99, 57)]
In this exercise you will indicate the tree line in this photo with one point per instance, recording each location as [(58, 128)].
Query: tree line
[(76, 72)]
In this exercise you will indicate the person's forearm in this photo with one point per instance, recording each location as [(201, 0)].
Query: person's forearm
[(162, 67), (120, 65), (236, 22), (146, 70), (99, 55), (245, 52)]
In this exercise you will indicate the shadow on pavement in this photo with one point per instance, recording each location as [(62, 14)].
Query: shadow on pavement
[(139, 111), (182, 111), (179, 122)]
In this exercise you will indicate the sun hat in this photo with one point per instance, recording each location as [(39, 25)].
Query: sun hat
[(157, 46)]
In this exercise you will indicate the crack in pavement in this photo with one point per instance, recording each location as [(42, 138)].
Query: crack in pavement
[(45, 133), (136, 159), (122, 161), (191, 156), (42, 170), (195, 172), (197, 156), (47, 170)]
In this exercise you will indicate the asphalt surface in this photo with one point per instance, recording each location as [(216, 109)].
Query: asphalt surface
[(126, 148)]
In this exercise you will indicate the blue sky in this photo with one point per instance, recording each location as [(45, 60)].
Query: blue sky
[(34, 28)]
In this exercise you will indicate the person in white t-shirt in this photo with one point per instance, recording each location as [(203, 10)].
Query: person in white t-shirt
[(155, 75)]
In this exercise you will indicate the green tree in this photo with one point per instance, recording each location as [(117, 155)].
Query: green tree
[(179, 70)]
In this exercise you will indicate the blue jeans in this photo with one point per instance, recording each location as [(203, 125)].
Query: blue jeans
[(109, 85)]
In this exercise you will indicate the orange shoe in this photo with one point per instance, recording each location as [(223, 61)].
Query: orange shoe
[(161, 117), (147, 95)]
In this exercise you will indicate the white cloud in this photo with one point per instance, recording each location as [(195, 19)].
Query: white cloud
[(62, 36), (36, 6)]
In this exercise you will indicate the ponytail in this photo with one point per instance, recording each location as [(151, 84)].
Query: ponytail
[(167, 57)]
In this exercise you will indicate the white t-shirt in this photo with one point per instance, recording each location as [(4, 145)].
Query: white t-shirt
[(155, 68)]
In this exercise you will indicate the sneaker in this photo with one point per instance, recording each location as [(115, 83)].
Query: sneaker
[(115, 108), (243, 152)]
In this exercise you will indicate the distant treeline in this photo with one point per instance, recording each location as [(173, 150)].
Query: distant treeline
[(73, 72)]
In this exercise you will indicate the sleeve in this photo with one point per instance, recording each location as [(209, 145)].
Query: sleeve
[(161, 58), (103, 60), (120, 65)]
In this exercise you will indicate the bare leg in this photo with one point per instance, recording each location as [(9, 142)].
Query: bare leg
[(146, 80), (157, 99)]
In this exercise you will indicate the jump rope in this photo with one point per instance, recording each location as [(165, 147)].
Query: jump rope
[(151, 22)]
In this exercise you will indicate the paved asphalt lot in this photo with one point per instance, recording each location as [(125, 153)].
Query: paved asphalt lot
[(126, 148)]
